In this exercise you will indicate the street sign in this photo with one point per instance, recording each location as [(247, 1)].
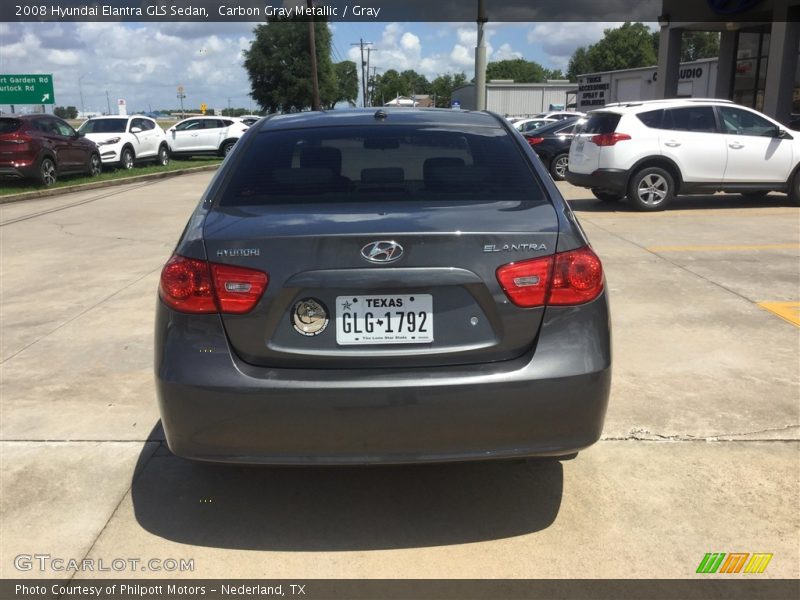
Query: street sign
[(203, 108), (27, 89)]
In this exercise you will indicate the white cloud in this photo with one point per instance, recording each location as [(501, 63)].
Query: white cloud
[(506, 52)]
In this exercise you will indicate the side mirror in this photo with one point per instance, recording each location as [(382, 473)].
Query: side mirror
[(783, 134), (136, 130)]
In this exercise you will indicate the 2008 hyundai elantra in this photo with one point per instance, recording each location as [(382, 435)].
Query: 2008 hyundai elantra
[(389, 286)]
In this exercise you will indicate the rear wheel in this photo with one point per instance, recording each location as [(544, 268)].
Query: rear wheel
[(226, 148), (163, 156), (126, 159), (48, 174), (558, 167), (651, 189), (95, 165), (606, 196), (794, 189)]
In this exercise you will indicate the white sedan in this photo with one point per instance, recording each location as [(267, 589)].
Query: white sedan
[(125, 140)]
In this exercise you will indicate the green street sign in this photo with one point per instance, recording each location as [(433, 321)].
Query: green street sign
[(26, 89)]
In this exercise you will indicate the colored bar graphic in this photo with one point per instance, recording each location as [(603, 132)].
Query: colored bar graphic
[(758, 563), (734, 562), (710, 562)]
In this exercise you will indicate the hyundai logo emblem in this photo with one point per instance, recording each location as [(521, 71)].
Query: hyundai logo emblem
[(382, 252)]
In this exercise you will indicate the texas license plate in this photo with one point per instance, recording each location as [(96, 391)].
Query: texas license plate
[(384, 319)]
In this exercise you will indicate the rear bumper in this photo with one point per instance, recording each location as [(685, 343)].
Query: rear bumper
[(612, 180), (549, 402)]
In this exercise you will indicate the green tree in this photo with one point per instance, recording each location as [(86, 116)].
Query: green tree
[(392, 84), (279, 68), (346, 82), (66, 112), (517, 69), (442, 88), (626, 47), (578, 64)]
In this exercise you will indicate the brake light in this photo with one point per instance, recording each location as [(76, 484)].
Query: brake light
[(197, 286), (563, 279), (609, 139), (535, 140)]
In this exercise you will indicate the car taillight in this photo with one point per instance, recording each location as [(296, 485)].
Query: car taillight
[(567, 278), (535, 140), (238, 289), (609, 139), (197, 286)]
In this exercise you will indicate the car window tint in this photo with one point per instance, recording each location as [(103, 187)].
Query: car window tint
[(189, 125), (147, 124), (63, 128), (744, 122), (601, 123), (212, 123), (690, 118), (104, 126), (380, 163), (9, 125), (226, 123), (651, 118), (138, 123)]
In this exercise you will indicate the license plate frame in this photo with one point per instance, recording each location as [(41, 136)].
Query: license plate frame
[(410, 319)]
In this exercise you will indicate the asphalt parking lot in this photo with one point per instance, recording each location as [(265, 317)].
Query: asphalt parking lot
[(700, 453)]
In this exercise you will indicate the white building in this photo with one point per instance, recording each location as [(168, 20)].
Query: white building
[(697, 79), (519, 99)]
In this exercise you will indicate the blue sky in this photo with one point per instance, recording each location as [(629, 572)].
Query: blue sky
[(145, 62)]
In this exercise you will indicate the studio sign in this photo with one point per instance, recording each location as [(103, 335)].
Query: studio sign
[(686, 73)]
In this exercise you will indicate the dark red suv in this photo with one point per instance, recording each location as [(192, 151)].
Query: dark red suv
[(44, 147)]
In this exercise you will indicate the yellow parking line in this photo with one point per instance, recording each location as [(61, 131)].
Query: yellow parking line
[(723, 247), (789, 311)]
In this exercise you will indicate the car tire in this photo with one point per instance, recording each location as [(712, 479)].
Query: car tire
[(606, 196), (126, 159), (95, 165), (163, 156), (651, 189), (226, 148), (558, 167), (794, 189), (48, 172)]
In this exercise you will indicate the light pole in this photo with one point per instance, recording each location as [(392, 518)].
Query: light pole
[(80, 90), (181, 96)]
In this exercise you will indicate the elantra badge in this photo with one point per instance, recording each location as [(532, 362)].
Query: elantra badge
[(310, 317), (382, 252)]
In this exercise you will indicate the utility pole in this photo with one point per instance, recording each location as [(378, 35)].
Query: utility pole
[(369, 96), (108, 103), (372, 84), (480, 60), (80, 90), (362, 43), (181, 96), (312, 49)]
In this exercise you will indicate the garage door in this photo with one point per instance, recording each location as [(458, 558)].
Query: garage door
[(629, 89)]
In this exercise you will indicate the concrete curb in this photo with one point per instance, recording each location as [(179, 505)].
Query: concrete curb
[(102, 184)]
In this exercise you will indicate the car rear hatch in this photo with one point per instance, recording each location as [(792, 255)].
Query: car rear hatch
[(381, 246), (12, 140), (585, 152)]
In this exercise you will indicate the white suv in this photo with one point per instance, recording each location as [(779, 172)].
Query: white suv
[(205, 135), (122, 141), (652, 151)]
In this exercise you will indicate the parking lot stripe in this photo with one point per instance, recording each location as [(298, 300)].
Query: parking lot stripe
[(790, 311), (723, 247)]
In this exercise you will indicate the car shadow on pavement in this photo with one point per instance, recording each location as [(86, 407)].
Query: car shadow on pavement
[(704, 202), (342, 508)]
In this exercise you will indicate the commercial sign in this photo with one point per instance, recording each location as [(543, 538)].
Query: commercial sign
[(26, 89)]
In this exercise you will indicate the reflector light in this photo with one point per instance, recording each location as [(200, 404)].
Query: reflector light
[(535, 140)]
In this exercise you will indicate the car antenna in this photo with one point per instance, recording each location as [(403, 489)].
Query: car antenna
[(380, 114)]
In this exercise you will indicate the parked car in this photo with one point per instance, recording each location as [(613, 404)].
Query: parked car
[(652, 151), (526, 125), (389, 286), (250, 119), (44, 147), (205, 135), (559, 115), (551, 143), (126, 140)]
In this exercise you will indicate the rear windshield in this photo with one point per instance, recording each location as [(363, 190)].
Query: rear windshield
[(601, 123), (382, 162), (9, 125), (104, 126)]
